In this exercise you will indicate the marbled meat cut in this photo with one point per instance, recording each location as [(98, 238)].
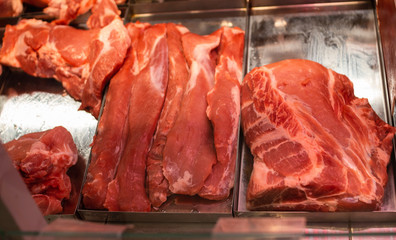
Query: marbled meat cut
[(316, 146), (127, 191), (107, 54), (103, 12), (189, 151), (65, 11), (178, 76), (43, 159), (83, 60), (110, 138), (224, 111)]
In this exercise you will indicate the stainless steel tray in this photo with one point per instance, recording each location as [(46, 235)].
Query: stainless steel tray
[(201, 17), (342, 36)]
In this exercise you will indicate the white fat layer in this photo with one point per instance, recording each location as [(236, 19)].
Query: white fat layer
[(182, 183), (182, 29), (157, 70), (233, 67), (236, 98), (330, 87), (246, 104), (192, 81)]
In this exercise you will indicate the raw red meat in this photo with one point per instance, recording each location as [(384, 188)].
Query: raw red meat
[(65, 11), (315, 145), (127, 191), (189, 152), (103, 12), (83, 60), (47, 204), (224, 111), (178, 76), (109, 142), (107, 54), (10, 8), (43, 159), (37, 3)]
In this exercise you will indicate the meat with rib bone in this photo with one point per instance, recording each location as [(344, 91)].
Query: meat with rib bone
[(83, 60), (43, 159), (224, 111), (127, 191), (110, 139), (315, 145)]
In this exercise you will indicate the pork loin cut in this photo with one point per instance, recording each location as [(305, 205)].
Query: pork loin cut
[(157, 184), (126, 192), (189, 152), (223, 111), (316, 146), (110, 139)]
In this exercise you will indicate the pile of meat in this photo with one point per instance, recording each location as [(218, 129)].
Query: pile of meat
[(316, 146), (170, 120), (83, 60), (43, 159), (63, 11)]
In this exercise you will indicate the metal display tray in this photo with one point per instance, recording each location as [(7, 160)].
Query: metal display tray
[(342, 36), (200, 17)]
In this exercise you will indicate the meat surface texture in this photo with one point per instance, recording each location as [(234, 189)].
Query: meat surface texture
[(109, 142), (10, 8), (127, 191), (189, 152), (43, 159), (107, 54), (103, 12), (170, 120), (223, 111), (316, 146), (83, 60), (65, 11), (178, 76)]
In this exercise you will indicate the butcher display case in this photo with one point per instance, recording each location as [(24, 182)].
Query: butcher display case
[(354, 38)]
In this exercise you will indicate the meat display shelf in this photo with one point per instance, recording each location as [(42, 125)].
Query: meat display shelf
[(342, 35)]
